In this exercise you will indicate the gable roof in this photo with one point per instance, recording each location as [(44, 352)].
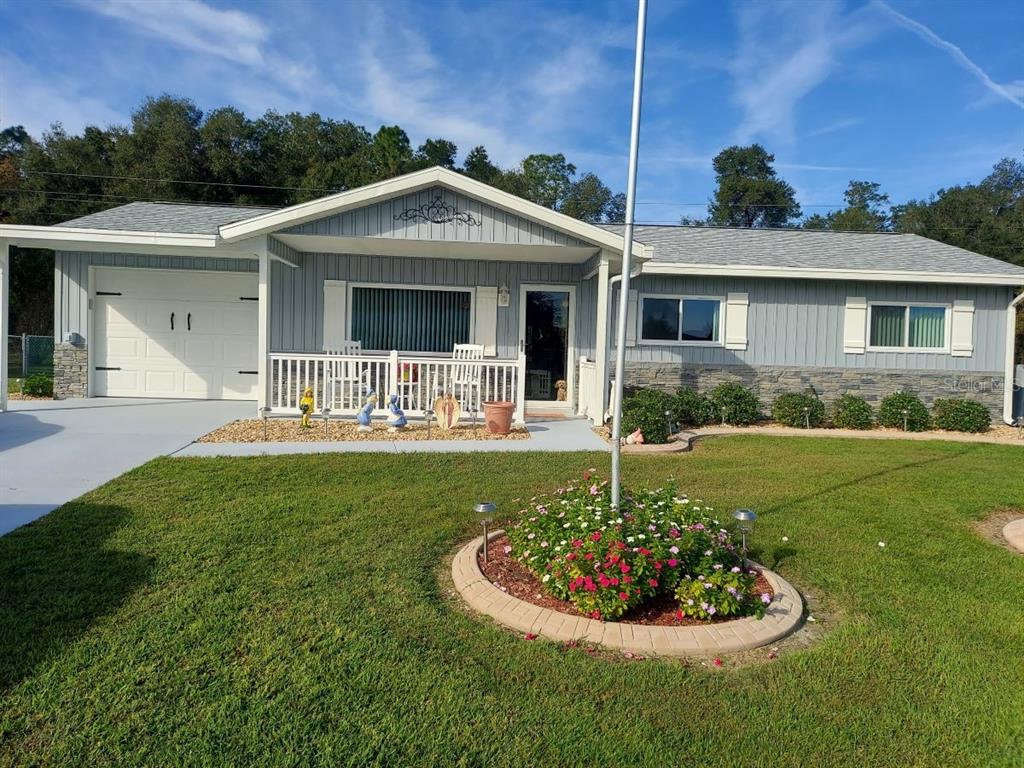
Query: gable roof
[(720, 250), (187, 218)]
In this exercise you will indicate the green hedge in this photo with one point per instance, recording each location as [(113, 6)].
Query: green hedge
[(961, 415), (736, 404), (891, 412), (645, 410), (692, 409), (38, 385), (852, 412), (795, 409)]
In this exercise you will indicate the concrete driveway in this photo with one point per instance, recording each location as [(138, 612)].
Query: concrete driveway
[(54, 451)]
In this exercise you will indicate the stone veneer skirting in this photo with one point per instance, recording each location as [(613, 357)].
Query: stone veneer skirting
[(70, 371), (828, 383)]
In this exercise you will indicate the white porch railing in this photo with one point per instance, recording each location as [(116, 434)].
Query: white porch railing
[(341, 381)]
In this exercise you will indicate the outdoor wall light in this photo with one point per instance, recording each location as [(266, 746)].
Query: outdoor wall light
[(745, 518), (485, 511), (326, 413), (265, 415), (503, 296)]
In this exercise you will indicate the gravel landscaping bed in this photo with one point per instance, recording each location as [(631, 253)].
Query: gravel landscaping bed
[(291, 431)]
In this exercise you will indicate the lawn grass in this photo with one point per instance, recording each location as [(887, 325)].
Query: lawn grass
[(287, 611)]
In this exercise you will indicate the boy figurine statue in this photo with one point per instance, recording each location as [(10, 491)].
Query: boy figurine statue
[(396, 420), (363, 417), (306, 407)]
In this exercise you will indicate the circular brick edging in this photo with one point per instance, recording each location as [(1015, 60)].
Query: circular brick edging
[(782, 617), (1013, 532)]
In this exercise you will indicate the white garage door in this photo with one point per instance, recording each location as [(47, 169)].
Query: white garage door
[(174, 334)]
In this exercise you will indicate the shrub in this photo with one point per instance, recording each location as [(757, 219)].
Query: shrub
[(852, 412), (692, 409), (38, 385), (789, 409), (890, 412), (607, 561), (736, 404), (961, 415), (645, 410)]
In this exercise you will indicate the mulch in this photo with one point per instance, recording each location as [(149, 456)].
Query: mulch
[(511, 576), (284, 430)]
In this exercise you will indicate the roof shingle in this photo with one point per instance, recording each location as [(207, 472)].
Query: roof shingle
[(185, 218)]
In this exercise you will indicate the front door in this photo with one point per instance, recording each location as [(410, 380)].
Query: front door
[(546, 336)]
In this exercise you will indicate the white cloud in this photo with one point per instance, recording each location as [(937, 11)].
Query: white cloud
[(785, 51), (35, 100), (1011, 92)]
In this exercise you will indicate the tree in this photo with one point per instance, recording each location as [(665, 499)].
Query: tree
[(749, 192), (437, 152), (987, 217), (867, 210), (391, 153), (588, 199), (543, 179), (478, 165)]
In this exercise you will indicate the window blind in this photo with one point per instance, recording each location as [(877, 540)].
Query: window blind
[(410, 319)]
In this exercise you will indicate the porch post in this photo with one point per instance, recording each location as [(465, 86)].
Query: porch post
[(263, 324), (600, 397), (5, 305)]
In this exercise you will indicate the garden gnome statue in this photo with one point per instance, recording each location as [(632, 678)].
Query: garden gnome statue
[(306, 406), (363, 417), (396, 420)]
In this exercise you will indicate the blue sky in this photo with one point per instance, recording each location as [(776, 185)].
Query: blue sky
[(914, 94)]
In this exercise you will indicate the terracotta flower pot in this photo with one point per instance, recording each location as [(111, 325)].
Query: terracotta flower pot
[(498, 416)]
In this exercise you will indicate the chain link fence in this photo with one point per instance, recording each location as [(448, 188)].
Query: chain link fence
[(27, 355)]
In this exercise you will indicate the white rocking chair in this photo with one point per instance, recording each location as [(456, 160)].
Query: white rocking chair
[(348, 379), (466, 376)]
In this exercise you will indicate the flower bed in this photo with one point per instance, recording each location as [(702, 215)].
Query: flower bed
[(513, 578), (290, 431), (608, 562)]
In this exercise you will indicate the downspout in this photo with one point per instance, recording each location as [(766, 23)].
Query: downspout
[(1011, 333), (612, 282)]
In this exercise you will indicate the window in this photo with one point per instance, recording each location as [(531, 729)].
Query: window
[(680, 320), (411, 319), (907, 326)]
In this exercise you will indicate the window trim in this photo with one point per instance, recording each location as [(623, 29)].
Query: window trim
[(471, 290), (906, 348), (641, 339)]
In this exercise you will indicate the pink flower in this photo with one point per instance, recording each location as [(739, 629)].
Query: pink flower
[(507, 549), (717, 662), (672, 563), (624, 595), (674, 550), (766, 598), (594, 490), (624, 568), (531, 636), (595, 536), (577, 543), (653, 582)]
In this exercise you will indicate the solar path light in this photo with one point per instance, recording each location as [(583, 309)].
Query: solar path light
[(746, 518), (265, 415), (485, 511)]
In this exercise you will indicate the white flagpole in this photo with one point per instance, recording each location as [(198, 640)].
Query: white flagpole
[(627, 255)]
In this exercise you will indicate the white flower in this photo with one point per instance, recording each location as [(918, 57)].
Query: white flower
[(881, 544), (547, 576), (532, 536), (785, 538)]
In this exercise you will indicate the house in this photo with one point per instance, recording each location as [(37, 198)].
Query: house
[(374, 287)]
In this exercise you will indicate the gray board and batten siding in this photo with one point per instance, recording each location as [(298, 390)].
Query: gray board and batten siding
[(800, 323)]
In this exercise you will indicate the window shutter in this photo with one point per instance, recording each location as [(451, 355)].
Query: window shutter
[(855, 325), (335, 313), (736, 320), (963, 328), (486, 320), (631, 320)]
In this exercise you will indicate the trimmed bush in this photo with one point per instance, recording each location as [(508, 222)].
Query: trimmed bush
[(852, 412), (692, 409), (789, 409), (736, 404), (961, 415), (890, 412), (645, 410), (38, 385)]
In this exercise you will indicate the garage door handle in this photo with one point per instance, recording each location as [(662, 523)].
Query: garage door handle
[(188, 320), (251, 373), (172, 321)]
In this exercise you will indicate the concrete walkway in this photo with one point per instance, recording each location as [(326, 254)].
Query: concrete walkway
[(1014, 534), (54, 451), (556, 435)]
